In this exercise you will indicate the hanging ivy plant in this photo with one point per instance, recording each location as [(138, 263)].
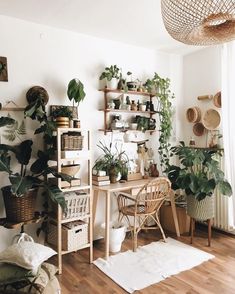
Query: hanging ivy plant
[(161, 88)]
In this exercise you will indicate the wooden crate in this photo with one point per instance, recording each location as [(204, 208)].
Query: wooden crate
[(167, 221)]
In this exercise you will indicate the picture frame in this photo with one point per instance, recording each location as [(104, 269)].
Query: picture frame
[(74, 109), (3, 69), (213, 137)]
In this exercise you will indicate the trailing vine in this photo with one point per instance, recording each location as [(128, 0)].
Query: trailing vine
[(161, 87)]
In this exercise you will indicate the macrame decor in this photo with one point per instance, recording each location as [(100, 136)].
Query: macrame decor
[(198, 22)]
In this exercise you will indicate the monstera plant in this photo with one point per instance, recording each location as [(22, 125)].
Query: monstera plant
[(198, 175)]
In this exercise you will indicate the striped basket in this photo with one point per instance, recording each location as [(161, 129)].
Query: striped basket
[(200, 210)]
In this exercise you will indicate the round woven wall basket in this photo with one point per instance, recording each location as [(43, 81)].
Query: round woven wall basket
[(198, 129), (35, 93), (193, 114), (211, 119), (199, 22), (217, 100)]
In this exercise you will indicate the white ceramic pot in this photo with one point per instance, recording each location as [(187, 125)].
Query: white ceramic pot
[(112, 84), (117, 233)]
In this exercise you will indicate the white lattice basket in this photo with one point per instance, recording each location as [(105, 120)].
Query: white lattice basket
[(74, 235), (77, 205)]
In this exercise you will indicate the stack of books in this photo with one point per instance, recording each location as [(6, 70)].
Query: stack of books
[(100, 180)]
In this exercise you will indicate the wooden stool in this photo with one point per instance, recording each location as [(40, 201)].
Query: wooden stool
[(192, 229)]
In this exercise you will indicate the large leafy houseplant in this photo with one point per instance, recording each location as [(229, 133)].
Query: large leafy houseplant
[(24, 175), (198, 172), (75, 91)]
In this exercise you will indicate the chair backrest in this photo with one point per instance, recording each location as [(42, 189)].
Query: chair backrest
[(153, 194)]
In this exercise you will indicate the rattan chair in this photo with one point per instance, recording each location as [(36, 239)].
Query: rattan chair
[(144, 206)]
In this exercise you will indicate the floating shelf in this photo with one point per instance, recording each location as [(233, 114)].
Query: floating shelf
[(128, 111), (107, 90)]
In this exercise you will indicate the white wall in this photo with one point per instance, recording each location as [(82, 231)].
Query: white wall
[(41, 55), (201, 76)]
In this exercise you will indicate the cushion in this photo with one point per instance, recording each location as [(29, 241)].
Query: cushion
[(32, 285), (10, 273), (28, 255)]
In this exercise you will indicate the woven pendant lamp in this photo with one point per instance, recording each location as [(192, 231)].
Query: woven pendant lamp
[(198, 22)]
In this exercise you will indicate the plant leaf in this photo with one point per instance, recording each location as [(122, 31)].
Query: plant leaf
[(4, 121), (5, 162), (20, 185), (56, 195)]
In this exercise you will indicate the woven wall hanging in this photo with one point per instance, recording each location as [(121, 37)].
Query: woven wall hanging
[(197, 22)]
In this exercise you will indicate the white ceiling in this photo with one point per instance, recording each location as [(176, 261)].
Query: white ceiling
[(136, 22)]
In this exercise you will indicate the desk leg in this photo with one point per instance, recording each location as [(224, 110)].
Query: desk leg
[(95, 198), (107, 219), (172, 198)]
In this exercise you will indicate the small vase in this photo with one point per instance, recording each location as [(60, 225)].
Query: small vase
[(117, 103), (133, 105)]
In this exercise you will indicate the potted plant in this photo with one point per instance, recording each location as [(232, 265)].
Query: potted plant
[(19, 196), (75, 91), (112, 75), (198, 175), (113, 162), (62, 115)]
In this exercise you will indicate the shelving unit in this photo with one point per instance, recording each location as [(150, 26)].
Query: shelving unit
[(107, 110), (60, 218)]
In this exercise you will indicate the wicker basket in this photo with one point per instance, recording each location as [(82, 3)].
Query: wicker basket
[(19, 209), (193, 114), (77, 205), (71, 141), (198, 129), (74, 235), (211, 119), (217, 100), (200, 210)]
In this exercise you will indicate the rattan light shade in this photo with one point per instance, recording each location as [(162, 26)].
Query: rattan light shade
[(198, 22)]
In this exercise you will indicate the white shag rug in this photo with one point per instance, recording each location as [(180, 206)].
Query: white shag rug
[(151, 263)]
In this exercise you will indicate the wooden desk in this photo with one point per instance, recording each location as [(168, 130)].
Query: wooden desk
[(133, 187)]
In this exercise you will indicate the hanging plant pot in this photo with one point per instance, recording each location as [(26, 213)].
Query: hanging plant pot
[(19, 209), (200, 210)]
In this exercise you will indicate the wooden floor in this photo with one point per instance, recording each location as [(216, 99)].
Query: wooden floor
[(214, 276)]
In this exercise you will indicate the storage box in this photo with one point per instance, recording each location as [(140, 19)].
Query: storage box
[(74, 235), (77, 204), (167, 221), (134, 177)]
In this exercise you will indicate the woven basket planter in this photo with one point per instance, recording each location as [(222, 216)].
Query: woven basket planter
[(19, 209), (200, 210)]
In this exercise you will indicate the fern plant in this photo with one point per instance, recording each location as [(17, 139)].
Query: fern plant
[(15, 130)]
